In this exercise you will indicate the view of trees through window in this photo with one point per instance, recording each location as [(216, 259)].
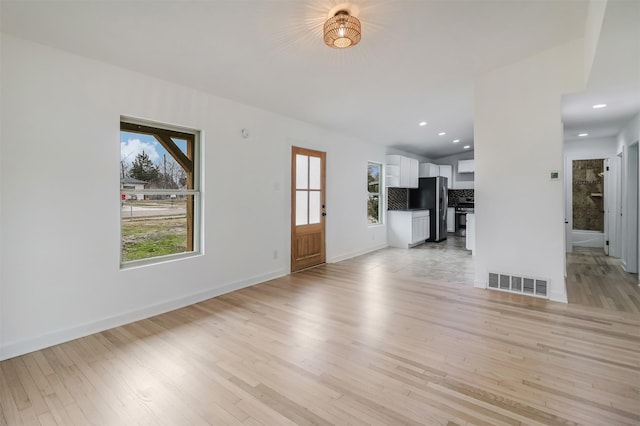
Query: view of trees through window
[(157, 192), (374, 195)]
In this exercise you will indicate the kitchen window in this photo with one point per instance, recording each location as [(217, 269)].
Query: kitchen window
[(159, 192), (374, 195)]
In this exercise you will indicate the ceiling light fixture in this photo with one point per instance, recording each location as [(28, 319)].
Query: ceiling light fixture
[(441, 133), (422, 123), (456, 140), (467, 146), (342, 30), (583, 135), (599, 106)]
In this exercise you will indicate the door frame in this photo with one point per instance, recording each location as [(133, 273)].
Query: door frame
[(322, 225), (610, 197), (630, 259), (616, 247)]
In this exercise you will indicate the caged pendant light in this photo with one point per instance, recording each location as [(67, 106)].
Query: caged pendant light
[(342, 30)]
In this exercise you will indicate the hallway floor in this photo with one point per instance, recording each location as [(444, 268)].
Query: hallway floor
[(594, 279)]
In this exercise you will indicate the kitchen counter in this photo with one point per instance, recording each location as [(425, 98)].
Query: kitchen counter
[(407, 228)]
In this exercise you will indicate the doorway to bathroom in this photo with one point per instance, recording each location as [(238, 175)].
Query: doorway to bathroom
[(588, 204), (591, 199)]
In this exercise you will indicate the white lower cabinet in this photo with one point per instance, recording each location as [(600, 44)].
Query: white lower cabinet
[(407, 228), (471, 232)]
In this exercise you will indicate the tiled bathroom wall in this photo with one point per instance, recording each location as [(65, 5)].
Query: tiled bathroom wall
[(588, 184)]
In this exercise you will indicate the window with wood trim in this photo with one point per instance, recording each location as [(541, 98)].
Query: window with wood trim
[(159, 192)]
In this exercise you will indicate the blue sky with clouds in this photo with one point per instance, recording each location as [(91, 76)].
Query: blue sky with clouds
[(131, 144)]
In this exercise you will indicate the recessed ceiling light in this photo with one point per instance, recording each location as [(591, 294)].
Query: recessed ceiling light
[(456, 141), (599, 106), (583, 134), (442, 133), (467, 146), (422, 123)]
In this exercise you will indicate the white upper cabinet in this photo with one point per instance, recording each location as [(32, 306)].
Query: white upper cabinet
[(433, 170), (429, 170), (411, 169), (466, 166), (447, 171), (401, 172)]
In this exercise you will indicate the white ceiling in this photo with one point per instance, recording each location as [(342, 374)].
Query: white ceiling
[(417, 59), (614, 79)]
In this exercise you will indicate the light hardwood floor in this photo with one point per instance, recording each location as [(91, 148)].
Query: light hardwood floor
[(594, 279), (346, 343)]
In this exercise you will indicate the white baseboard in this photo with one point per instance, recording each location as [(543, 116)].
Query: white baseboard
[(558, 297), (21, 347), (340, 258), (479, 284)]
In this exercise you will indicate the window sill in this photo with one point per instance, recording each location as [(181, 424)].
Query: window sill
[(141, 263)]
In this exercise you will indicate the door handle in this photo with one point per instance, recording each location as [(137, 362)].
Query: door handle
[(324, 214)]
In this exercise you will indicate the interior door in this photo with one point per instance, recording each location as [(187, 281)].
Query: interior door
[(307, 208)]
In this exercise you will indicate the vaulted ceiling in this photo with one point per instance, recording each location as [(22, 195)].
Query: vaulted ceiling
[(417, 60)]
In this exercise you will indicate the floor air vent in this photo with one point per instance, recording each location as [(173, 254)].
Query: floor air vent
[(516, 284)]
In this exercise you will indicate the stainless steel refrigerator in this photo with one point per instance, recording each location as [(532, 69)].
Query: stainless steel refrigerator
[(431, 195)]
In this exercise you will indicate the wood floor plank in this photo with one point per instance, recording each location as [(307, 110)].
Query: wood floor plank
[(373, 340)]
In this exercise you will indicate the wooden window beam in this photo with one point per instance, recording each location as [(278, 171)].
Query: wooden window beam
[(164, 138)]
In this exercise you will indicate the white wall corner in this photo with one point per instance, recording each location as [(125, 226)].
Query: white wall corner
[(559, 296), (479, 284), (523, 95), (592, 28)]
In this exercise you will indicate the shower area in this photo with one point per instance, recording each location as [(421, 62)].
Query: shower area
[(588, 203)]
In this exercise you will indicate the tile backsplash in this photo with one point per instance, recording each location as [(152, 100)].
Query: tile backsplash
[(454, 194), (397, 198)]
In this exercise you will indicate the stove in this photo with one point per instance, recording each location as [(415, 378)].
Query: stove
[(465, 205)]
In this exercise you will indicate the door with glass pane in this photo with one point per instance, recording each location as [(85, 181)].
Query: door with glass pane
[(307, 208)]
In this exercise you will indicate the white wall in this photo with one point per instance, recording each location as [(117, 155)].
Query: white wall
[(60, 136), (591, 148), (629, 233), (1, 198), (517, 143), (592, 29), (630, 133)]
